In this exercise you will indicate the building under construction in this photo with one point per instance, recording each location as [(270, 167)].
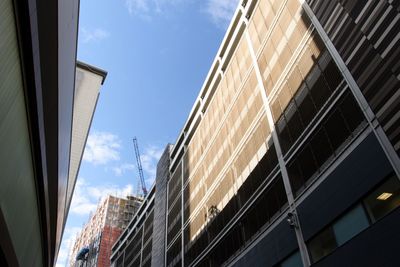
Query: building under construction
[(103, 228), (290, 154)]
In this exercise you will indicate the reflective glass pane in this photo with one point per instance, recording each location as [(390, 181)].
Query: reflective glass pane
[(293, 261), (350, 224)]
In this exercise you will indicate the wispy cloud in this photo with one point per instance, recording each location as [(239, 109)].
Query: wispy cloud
[(94, 35), (102, 148), (221, 11), (70, 234), (87, 196), (148, 8), (123, 168), (150, 159)]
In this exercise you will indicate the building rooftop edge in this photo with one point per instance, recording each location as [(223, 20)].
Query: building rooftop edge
[(93, 69)]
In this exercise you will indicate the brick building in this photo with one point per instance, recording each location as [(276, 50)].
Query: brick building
[(103, 228)]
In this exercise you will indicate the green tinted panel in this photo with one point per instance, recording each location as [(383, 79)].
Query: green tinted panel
[(350, 224), (293, 261)]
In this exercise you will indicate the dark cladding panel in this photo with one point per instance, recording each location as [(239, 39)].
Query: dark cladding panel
[(365, 167), (372, 54), (160, 205), (271, 249), (378, 246)]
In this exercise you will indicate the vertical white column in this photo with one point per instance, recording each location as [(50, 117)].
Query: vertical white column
[(166, 219), (285, 177), (182, 219), (141, 249)]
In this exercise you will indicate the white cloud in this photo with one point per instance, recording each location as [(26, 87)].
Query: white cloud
[(221, 11), (81, 203), (94, 35), (123, 168), (101, 148), (147, 8), (87, 196), (69, 237), (150, 159)]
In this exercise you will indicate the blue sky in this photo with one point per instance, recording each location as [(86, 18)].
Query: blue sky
[(157, 54)]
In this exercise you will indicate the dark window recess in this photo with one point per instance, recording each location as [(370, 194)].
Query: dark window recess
[(307, 162), (251, 223), (174, 185), (265, 209), (223, 218), (321, 147), (231, 243), (204, 263), (195, 247), (295, 175), (320, 92), (307, 110), (146, 254), (384, 199), (332, 75), (3, 260), (284, 136), (326, 142), (294, 122), (323, 244), (173, 231), (133, 249), (136, 262), (120, 260), (258, 175), (309, 99), (351, 112), (174, 253), (336, 129), (148, 263)]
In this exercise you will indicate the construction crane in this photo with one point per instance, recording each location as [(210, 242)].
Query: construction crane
[(139, 165)]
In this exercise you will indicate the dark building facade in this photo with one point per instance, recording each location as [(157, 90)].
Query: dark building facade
[(142, 243), (290, 155), (38, 42)]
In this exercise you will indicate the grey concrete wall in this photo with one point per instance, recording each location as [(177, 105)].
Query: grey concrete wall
[(160, 206)]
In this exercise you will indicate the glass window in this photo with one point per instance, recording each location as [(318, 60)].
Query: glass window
[(351, 112), (379, 203), (321, 147), (332, 75), (293, 260), (350, 224), (306, 108), (323, 244), (294, 121), (295, 175), (336, 129), (307, 163), (384, 199), (320, 92)]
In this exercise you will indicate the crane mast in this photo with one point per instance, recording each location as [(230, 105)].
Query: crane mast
[(139, 165)]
